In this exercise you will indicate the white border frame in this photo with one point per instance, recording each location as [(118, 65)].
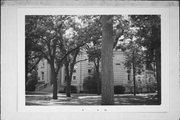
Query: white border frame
[(164, 12)]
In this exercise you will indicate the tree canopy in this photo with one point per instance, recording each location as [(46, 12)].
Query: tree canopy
[(60, 38)]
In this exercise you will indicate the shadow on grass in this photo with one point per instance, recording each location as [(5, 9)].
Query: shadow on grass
[(89, 99)]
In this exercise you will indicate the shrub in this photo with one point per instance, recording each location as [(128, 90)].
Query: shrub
[(90, 85), (73, 90), (62, 91), (32, 81), (31, 84), (119, 89)]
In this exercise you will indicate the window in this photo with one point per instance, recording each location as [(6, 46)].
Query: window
[(128, 76), (65, 79), (150, 79), (74, 71), (42, 66), (74, 77), (42, 75), (89, 70)]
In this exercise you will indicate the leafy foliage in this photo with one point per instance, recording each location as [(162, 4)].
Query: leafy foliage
[(60, 38), (90, 84), (148, 34), (31, 82), (49, 37), (31, 54), (134, 55), (119, 89)]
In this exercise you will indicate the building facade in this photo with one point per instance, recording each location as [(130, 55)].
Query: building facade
[(83, 69)]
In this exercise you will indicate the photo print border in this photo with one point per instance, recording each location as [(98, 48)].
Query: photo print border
[(164, 12)]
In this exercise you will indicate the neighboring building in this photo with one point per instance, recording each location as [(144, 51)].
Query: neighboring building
[(85, 68), (44, 71), (81, 70), (146, 82), (120, 72), (44, 75)]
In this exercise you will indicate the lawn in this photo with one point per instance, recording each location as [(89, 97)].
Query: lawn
[(89, 99)]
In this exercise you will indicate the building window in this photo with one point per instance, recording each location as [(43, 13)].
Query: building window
[(74, 71), (89, 70), (42, 75), (128, 76), (42, 66), (74, 77), (150, 79), (65, 79)]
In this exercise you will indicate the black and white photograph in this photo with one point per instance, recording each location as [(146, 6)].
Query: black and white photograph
[(96, 60), (93, 60)]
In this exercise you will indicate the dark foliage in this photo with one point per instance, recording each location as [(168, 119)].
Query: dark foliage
[(119, 89), (90, 84), (31, 84), (73, 90)]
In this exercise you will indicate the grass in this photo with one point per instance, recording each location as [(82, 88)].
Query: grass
[(89, 99)]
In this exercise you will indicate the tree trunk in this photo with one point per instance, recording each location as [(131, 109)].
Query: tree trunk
[(134, 80), (98, 80), (26, 71), (68, 87), (107, 61), (134, 74), (54, 79), (68, 82), (69, 72), (158, 73)]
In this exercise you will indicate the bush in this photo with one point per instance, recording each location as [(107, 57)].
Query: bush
[(62, 91), (31, 84), (73, 90), (90, 85), (119, 89), (32, 80)]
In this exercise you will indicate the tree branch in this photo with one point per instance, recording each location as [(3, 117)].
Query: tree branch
[(73, 63), (117, 38), (34, 65), (80, 61), (70, 51), (45, 55)]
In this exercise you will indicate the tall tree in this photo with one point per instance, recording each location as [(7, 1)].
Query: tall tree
[(107, 62), (146, 30), (70, 61), (84, 32), (94, 55), (134, 60), (94, 49), (149, 32), (32, 56), (49, 37)]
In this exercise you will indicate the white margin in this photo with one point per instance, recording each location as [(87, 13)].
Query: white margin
[(164, 12)]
